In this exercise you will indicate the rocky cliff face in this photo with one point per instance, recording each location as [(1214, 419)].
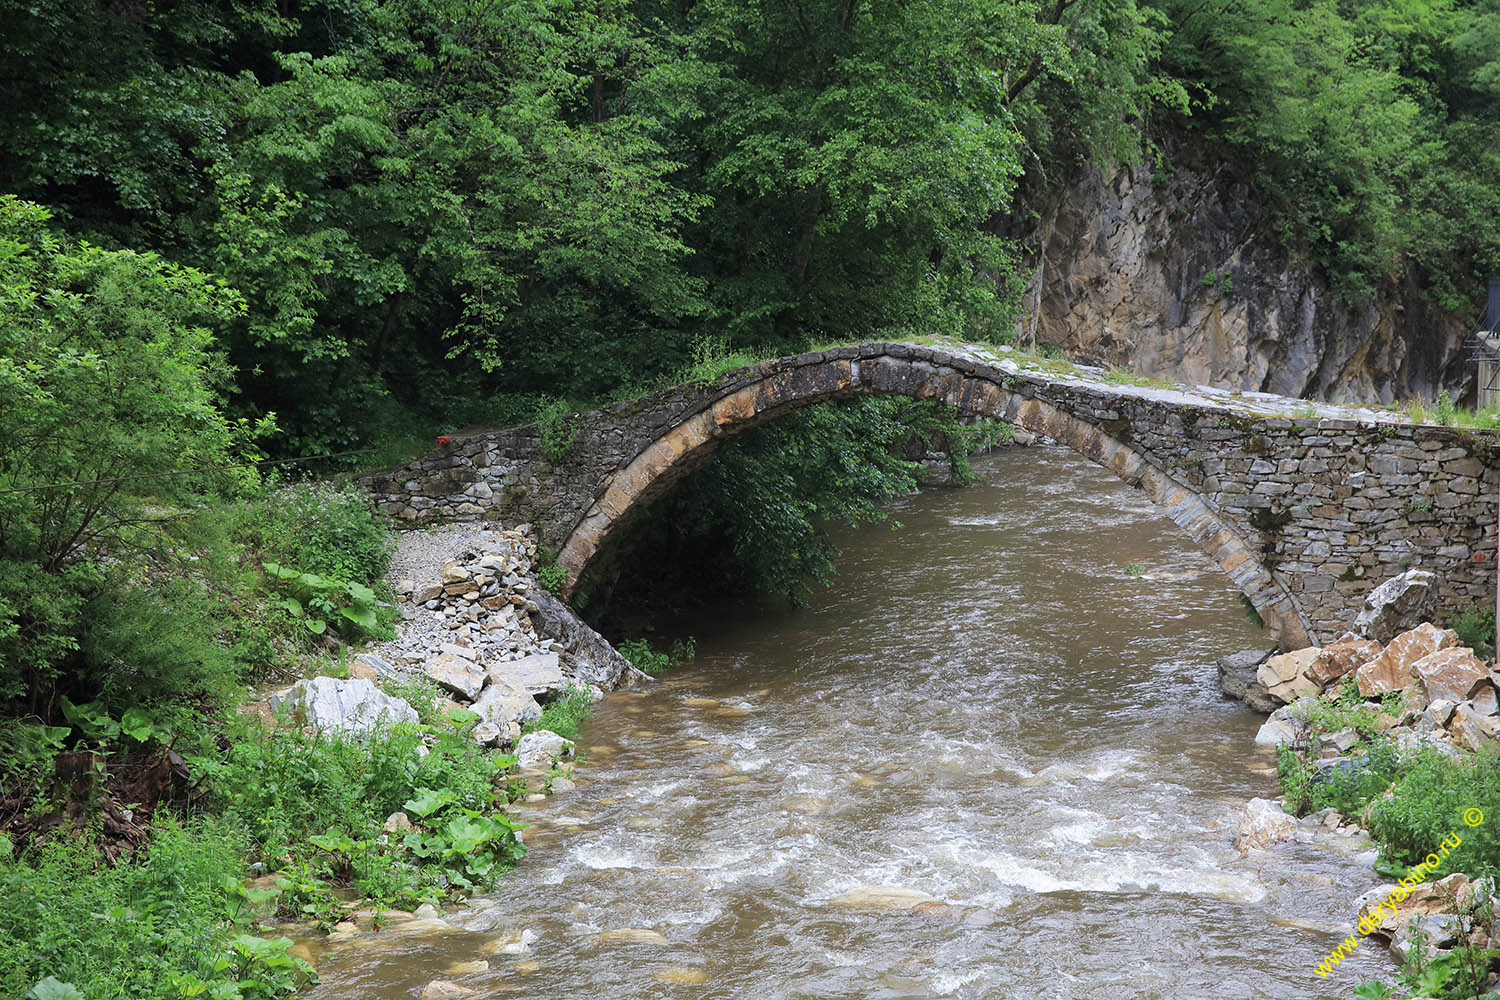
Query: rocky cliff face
[(1173, 277)]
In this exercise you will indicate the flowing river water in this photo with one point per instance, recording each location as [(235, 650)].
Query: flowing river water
[(989, 709)]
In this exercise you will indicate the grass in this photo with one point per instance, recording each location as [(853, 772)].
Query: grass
[(1134, 569), (1444, 412), (564, 715)]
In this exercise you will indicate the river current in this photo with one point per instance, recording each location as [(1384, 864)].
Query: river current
[(1007, 710)]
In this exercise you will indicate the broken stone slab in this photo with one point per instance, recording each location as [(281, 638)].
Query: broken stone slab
[(591, 658), (352, 706), (1398, 605), (1391, 670), (455, 674), (381, 666), (1343, 657), (539, 674), (504, 705), (1449, 674)]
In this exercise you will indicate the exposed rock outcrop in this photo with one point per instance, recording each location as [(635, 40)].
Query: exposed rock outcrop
[(1173, 276)]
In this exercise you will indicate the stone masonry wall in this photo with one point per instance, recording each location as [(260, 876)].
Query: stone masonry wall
[(1318, 504)]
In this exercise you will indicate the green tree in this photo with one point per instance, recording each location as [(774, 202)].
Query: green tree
[(109, 379)]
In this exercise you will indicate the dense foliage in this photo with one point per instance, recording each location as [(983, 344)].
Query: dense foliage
[(1371, 126)]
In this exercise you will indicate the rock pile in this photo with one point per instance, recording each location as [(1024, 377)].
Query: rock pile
[(1452, 697), (470, 632), (485, 632)]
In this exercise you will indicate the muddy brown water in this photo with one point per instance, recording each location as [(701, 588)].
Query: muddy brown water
[(991, 712)]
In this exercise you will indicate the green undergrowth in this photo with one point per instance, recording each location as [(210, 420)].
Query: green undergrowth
[(1408, 801), (1476, 629), (165, 925), (646, 658), (565, 714), (308, 809)]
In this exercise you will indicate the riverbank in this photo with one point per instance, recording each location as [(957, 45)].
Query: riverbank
[(1393, 744), (864, 797)]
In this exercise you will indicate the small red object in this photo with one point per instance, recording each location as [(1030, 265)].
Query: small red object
[(444, 439), (1480, 557)]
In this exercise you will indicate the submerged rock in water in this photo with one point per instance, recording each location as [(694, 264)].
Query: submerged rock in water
[(880, 897), (630, 935), (442, 989)]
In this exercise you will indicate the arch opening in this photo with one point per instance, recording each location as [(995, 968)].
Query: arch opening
[(779, 390)]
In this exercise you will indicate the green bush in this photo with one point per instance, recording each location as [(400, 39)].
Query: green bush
[(147, 928), (1350, 789), (315, 805), (1476, 629), (320, 528), (154, 644), (1427, 804)]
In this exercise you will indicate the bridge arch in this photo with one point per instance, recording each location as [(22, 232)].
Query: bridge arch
[(762, 394)]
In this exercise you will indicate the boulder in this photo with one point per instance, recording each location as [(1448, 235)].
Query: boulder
[(1391, 670), (1484, 698), (352, 706), (1263, 825), (443, 989), (1437, 714), (1474, 729), (456, 674), (1278, 729), (1341, 658), (1285, 676), (505, 705), (1398, 604), (590, 657), (1238, 681), (539, 674), (541, 748), (1449, 674)]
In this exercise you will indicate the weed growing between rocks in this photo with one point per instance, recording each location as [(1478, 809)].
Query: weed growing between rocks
[(649, 660)]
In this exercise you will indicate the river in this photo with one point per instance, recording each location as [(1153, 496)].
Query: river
[(1009, 706)]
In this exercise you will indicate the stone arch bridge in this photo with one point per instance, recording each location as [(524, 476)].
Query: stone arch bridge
[(1306, 506)]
